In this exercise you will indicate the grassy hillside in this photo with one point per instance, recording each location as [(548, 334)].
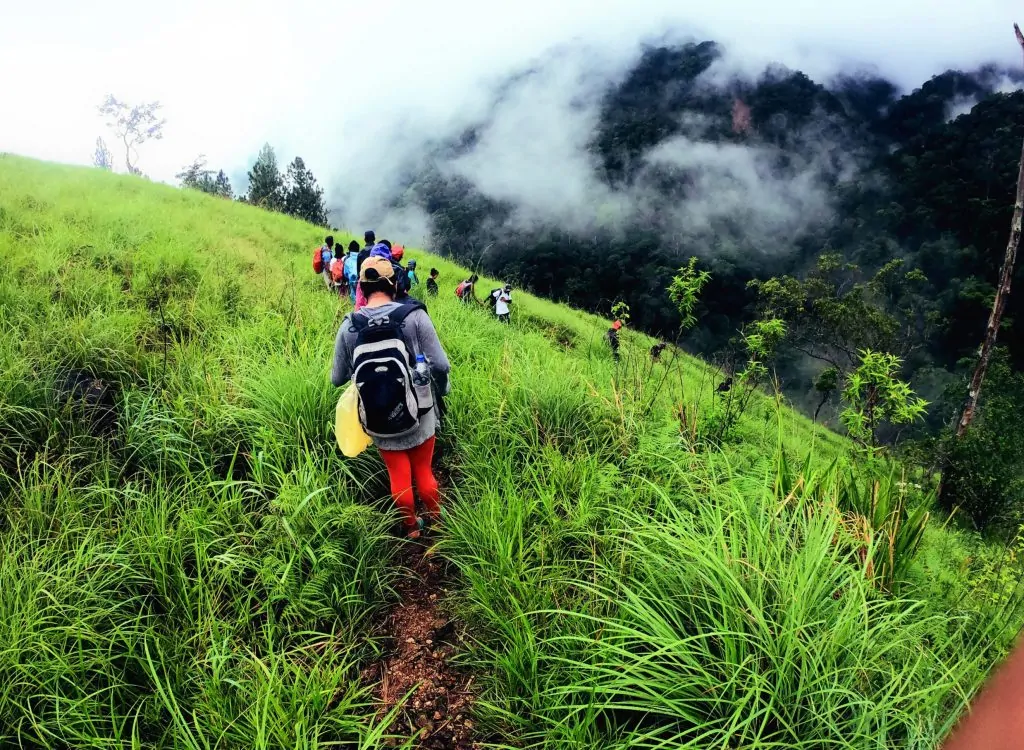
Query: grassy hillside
[(195, 565)]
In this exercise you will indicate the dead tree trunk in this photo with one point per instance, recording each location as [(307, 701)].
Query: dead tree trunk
[(1002, 292), (995, 318)]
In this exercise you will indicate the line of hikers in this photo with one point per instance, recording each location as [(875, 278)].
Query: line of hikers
[(388, 350), (340, 272)]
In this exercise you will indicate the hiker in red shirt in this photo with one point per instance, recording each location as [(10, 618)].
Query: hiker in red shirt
[(613, 339)]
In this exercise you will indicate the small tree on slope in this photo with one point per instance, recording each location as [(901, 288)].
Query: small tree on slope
[(102, 157), (196, 177), (222, 185), (685, 291), (875, 396)]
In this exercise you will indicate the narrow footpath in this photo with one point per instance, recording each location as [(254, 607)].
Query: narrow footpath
[(416, 672)]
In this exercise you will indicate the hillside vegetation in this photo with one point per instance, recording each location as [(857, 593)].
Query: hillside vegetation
[(193, 564)]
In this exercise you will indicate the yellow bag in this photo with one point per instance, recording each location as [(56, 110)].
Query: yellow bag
[(351, 438)]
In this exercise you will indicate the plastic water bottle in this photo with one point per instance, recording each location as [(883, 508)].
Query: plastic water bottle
[(421, 382)]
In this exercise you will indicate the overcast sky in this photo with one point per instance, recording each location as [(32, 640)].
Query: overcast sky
[(323, 79)]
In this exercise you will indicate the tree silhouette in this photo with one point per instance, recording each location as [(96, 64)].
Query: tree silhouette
[(266, 188), (102, 157), (196, 177), (134, 125), (222, 185), (303, 197)]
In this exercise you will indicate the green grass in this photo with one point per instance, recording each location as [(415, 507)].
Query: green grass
[(206, 573)]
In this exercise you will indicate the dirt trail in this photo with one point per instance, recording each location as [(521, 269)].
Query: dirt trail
[(422, 640)]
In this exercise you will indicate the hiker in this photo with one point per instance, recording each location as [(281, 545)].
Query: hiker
[(613, 339), (351, 269), (410, 272), (656, 351), (369, 240), (337, 268), (326, 256), (379, 349), (502, 297), (466, 291), (402, 285), (432, 288), (381, 249)]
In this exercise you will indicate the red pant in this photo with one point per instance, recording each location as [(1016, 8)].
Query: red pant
[(403, 467)]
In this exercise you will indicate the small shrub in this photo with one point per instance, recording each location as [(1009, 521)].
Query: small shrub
[(875, 396), (985, 474)]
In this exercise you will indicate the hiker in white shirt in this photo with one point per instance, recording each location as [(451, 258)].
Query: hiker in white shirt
[(503, 297)]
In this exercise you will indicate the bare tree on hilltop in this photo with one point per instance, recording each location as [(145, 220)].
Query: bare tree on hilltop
[(134, 125)]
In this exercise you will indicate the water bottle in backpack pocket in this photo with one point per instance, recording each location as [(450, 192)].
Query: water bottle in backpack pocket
[(423, 385)]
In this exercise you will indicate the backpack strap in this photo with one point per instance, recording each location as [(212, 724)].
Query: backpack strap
[(357, 322), (405, 308)]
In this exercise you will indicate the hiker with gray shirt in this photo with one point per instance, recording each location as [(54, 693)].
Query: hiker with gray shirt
[(390, 351)]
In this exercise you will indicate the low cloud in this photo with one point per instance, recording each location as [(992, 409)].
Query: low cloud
[(962, 105), (743, 183), (531, 149)]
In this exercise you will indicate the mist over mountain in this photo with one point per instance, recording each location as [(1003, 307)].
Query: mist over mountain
[(591, 181)]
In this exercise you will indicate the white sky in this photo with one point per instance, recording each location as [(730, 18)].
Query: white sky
[(321, 79)]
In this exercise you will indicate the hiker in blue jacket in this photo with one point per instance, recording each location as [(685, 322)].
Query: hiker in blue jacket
[(352, 269)]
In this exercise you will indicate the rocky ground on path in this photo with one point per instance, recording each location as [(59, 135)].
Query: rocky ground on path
[(416, 674)]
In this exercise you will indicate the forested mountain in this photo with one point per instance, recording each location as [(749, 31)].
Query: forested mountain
[(757, 178)]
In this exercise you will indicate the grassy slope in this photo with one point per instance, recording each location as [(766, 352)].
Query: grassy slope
[(206, 575)]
